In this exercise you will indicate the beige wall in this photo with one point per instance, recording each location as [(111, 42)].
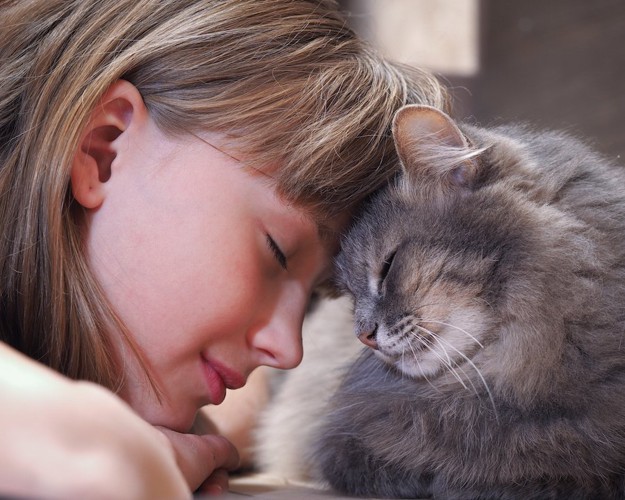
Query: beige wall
[(440, 35)]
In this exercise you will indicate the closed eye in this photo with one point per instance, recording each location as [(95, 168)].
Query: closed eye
[(386, 266), (277, 252)]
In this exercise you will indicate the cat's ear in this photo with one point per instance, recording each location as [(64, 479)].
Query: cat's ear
[(432, 148)]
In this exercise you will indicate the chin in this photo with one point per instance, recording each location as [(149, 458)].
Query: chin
[(418, 368), (178, 418)]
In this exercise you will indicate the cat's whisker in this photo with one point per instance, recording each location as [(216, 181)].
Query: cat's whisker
[(406, 329), (425, 341), (469, 362), (431, 334), (428, 345), (402, 321), (472, 337), (477, 370), (455, 367), (467, 378), (449, 363), (416, 358), (403, 354)]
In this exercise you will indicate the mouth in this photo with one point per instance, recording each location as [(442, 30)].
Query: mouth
[(395, 349), (219, 378)]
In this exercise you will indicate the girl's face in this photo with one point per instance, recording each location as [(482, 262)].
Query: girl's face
[(207, 267)]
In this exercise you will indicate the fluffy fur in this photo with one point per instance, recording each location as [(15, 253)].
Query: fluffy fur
[(492, 288), (287, 428)]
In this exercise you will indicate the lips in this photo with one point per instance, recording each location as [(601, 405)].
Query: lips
[(219, 378)]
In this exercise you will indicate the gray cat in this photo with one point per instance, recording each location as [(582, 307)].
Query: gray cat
[(489, 283)]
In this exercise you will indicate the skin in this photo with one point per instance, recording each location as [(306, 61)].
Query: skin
[(206, 265), (77, 440), (236, 417)]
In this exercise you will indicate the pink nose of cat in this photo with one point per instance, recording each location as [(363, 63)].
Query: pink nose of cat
[(368, 338)]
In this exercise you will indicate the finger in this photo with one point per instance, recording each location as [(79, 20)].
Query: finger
[(216, 484), (199, 456), (224, 453)]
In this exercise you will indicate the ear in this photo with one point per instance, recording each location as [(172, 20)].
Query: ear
[(431, 147), (119, 107)]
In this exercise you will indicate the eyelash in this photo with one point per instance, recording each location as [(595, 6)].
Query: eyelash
[(277, 252)]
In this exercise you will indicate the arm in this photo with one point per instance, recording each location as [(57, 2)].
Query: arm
[(72, 439)]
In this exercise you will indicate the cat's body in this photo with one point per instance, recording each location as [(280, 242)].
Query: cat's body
[(493, 292)]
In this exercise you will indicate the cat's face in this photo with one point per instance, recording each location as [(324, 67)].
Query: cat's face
[(428, 262), (421, 290)]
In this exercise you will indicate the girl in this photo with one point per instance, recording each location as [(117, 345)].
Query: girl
[(173, 177)]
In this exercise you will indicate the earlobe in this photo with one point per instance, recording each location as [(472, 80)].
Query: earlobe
[(120, 107)]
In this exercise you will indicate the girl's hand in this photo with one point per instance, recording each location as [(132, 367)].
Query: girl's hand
[(69, 439), (236, 418), (204, 459)]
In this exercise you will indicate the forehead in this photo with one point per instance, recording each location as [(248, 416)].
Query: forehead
[(329, 227)]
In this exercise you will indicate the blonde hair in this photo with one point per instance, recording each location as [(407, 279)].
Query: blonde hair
[(287, 77)]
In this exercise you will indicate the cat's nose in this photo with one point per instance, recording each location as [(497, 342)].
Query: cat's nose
[(368, 337)]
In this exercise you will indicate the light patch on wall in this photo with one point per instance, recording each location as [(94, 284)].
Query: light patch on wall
[(439, 35)]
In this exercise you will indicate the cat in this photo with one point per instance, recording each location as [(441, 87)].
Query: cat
[(488, 282)]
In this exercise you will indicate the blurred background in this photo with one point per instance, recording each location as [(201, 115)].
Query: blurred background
[(554, 63)]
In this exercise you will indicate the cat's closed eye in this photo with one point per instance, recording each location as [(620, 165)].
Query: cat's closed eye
[(386, 266)]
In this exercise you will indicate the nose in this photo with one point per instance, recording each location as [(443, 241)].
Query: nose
[(368, 337), (278, 339)]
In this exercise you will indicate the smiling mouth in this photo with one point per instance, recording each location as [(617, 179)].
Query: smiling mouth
[(219, 378), (231, 378), (214, 382)]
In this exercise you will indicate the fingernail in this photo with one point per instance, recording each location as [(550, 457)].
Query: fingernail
[(214, 490)]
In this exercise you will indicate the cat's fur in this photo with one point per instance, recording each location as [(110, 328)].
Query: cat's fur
[(288, 427), (492, 284)]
